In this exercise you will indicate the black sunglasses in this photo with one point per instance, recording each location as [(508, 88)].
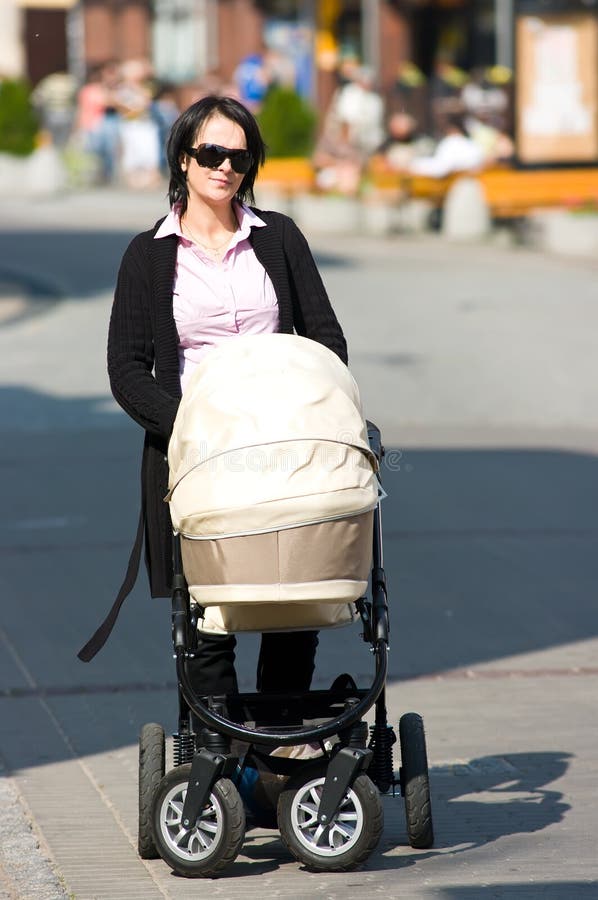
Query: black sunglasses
[(211, 156)]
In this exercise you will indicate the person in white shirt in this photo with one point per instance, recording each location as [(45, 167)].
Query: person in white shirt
[(361, 109), (455, 152)]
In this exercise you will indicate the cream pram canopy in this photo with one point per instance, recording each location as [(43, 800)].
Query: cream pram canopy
[(272, 486)]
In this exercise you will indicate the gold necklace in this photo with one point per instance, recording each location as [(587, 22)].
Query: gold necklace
[(214, 250)]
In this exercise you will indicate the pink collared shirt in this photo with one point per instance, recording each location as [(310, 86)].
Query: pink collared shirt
[(215, 301)]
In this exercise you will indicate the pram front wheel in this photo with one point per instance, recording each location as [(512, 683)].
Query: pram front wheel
[(151, 772), (347, 841), (216, 837), (415, 782)]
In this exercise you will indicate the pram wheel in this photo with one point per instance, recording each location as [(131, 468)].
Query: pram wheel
[(347, 841), (151, 771), (215, 839), (415, 782)]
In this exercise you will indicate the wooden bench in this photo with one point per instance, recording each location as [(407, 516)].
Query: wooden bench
[(513, 193), (510, 193), (288, 175), (403, 185)]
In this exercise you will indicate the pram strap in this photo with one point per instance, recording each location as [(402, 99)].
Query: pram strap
[(99, 638)]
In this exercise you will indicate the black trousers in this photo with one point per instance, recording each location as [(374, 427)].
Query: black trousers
[(286, 662)]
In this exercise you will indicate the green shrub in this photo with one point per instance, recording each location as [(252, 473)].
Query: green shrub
[(287, 122), (18, 121)]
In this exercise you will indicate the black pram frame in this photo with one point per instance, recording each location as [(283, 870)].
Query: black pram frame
[(171, 812)]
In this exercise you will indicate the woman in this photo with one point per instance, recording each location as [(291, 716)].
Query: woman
[(212, 269)]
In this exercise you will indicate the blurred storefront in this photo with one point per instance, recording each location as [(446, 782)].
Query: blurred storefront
[(421, 52), (556, 100), (186, 38), (426, 55), (38, 37), (115, 30), (47, 36)]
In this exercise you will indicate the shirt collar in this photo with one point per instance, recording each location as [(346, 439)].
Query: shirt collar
[(246, 217)]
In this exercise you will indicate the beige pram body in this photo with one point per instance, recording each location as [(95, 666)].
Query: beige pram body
[(275, 502), (272, 486)]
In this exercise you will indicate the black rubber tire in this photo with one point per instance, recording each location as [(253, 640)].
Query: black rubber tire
[(224, 818), (363, 795), (152, 758), (415, 782)]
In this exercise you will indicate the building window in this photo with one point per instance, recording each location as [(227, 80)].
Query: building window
[(177, 31)]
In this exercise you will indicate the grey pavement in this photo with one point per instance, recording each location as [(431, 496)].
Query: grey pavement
[(480, 364)]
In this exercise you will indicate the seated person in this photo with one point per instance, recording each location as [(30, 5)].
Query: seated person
[(337, 162), (403, 143), (496, 145), (455, 152)]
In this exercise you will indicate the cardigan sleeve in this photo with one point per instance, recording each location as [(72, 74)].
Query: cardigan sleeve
[(313, 314), (131, 347)]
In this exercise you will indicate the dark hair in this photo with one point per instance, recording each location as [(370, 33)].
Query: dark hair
[(185, 130), (456, 122)]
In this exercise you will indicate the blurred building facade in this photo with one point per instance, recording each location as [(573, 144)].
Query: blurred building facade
[(421, 52), (185, 38)]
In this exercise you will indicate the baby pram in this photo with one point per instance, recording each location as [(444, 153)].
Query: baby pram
[(275, 500)]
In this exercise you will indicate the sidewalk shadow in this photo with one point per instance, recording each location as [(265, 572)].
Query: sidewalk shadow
[(547, 890), (477, 803), (23, 410), (473, 805), (489, 553), (494, 796), (73, 263), (45, 267)]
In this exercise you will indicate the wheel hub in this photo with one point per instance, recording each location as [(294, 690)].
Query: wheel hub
[(332, 838), (195, 843)]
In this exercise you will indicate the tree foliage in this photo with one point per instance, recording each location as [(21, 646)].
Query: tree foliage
[(18, 120), (287, 122)]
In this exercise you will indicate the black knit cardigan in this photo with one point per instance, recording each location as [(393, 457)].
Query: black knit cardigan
[(143, 363)]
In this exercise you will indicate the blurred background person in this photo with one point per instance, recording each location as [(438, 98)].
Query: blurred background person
[(139, 136), (337, 162), (164, 111), (361, 109), (98, 120), (403, 142), (252, 78), (455, 152), (353, 128), (486, 106), (55, 101), (447, 83), (496, 146)]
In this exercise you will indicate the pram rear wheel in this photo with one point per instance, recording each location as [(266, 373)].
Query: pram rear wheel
[(151, 772), (415, 782), (216, 837), (347, 841)]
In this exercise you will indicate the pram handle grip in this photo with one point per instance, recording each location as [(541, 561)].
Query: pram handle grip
[(286, 738), (375, 440)]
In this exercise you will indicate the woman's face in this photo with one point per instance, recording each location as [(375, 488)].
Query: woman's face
[(215, 187)]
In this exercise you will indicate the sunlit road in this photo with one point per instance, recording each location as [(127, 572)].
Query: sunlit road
[(480, 365)]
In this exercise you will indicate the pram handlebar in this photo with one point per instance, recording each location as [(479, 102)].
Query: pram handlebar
[(286, 738)]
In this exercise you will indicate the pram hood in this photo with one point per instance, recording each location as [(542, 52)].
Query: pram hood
[(269, 435)]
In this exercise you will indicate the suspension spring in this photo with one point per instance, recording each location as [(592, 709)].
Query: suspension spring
[(183, 748), (381, 769)]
